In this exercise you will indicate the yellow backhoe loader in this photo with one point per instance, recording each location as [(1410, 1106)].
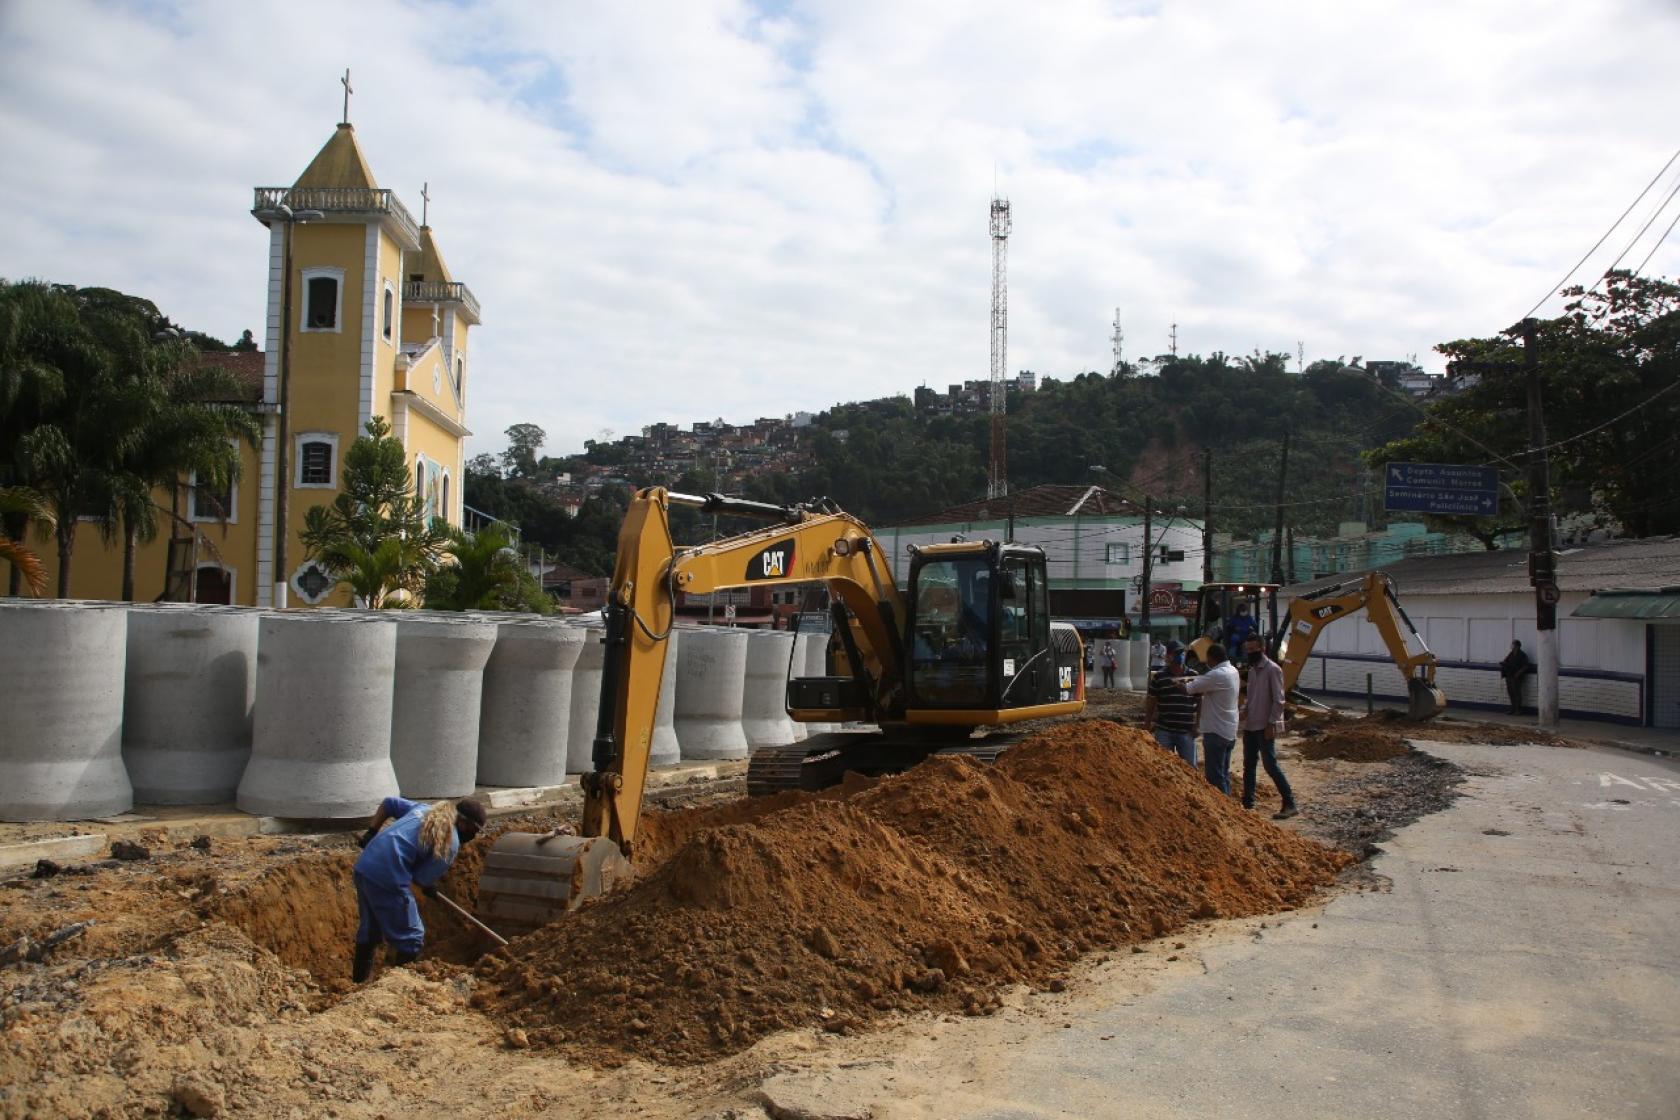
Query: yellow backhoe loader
[(1311, 612), (968, 645)]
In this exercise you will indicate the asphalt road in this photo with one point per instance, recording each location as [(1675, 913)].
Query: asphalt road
[(1522, 965)]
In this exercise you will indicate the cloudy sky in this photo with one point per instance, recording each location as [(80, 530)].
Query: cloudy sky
[(674, 211)]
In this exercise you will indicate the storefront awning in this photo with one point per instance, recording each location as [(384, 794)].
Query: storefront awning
[(1647, 603)]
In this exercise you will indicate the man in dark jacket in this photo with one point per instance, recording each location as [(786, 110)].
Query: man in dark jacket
[(1516, 663)]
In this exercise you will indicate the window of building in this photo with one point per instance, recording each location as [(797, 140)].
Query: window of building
[(443, 510), (211, 503), (213, 583), (317, 460), (1118, 554), (322, 299), (390, 309), (420, 479), (460, 372)]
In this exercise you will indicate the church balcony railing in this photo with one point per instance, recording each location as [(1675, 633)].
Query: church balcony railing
[(338, 200), (438, 291)]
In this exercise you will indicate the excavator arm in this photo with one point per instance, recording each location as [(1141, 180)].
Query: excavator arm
[(802, 546), (1374, 593)]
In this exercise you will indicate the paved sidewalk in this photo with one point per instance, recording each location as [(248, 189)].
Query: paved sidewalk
[(1646, 740)]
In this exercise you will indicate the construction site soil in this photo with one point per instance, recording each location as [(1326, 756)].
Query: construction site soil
[(212, 978)]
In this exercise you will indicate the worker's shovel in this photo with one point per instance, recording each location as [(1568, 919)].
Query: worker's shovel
[(462, 913)]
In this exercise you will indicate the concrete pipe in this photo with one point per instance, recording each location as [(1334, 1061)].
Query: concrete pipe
[(61, 692), (586, 701), (1140, 664), (1122, 662), (321, 731), (711, 679), (436, 702), (764, 718), (189, 689), (522, 729), (664, 750), (816, 665), (801, 662)]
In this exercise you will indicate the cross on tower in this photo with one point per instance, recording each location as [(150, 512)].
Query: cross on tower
[(345, 82), (425, 202)]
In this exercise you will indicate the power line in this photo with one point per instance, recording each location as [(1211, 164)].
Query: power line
[(1658, 245), (1559, 285), (1655, 214)]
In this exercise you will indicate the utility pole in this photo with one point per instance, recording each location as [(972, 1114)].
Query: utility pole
[(1542, 561), (1207, 515), (1148, 560), (1290, 568), (1277, 531)]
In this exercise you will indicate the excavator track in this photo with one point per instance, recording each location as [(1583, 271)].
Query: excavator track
[(823, 760)]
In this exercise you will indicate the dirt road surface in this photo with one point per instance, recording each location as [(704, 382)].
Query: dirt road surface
[(211, 982)]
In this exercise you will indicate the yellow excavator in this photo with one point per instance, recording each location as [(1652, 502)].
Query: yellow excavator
[(968, 646), (1312, 611)]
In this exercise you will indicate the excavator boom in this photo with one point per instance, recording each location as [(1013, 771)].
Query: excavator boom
[(1374, 593)]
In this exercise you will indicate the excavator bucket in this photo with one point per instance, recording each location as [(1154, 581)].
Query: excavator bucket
[(530, 879), (1426, 701)]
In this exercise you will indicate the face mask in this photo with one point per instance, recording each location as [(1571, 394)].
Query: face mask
[(1254, 657)]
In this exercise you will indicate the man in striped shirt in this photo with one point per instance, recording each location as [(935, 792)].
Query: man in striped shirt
[(1170, 712)]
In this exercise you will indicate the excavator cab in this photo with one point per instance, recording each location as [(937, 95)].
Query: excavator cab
[(1228, 613), (979, 631)]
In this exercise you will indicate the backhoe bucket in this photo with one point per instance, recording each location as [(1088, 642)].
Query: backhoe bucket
[(1426, 701), (530, 879)]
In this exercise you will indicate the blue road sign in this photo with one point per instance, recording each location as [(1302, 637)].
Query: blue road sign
[(1441, 488)]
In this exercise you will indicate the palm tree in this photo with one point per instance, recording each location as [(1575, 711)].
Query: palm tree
[(484, 576), (22, 502), (30, 392), (187, 417)]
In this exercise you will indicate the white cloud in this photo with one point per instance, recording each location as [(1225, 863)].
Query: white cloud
[(694, 209)]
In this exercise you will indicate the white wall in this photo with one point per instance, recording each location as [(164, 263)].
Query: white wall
[(1479, 629)]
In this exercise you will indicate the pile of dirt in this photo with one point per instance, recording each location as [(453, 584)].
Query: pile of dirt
[(926, 890), (1354, 744)]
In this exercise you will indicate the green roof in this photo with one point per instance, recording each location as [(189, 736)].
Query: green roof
[(1650, 603)]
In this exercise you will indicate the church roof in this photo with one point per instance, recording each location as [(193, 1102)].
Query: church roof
[(430, 264), (339, 163)]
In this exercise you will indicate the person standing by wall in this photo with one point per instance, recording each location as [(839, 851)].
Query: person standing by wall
[(1157, 655), (1108, 664), (1516, 663), (1170, 712), (1218, 689), (1262, 723)]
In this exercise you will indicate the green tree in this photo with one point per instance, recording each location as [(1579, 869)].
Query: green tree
[(375, 537), (26, 565), (1610, 381), (483, 572), (524, 441)]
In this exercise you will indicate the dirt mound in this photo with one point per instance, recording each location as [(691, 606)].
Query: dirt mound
[(927, 890), (1354, 744)]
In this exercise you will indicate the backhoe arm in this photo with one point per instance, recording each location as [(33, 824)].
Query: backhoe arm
[(806, 546), (1310, 614)]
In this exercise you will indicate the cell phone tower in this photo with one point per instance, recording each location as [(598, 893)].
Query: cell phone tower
[(1119, 340), (997, 474)]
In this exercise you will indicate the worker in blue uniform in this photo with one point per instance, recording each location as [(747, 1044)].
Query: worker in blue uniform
[(418, 848)]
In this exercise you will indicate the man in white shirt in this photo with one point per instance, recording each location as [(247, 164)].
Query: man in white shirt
[(1218, 688)]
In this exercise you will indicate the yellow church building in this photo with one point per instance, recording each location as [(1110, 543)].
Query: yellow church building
[(364, 319)]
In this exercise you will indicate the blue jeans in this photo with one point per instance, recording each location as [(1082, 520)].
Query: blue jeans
[(1216, 760), (1182, 742), (1256, 747)]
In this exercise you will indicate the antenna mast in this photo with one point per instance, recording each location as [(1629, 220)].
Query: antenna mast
[(997, 474), (1119, 339)]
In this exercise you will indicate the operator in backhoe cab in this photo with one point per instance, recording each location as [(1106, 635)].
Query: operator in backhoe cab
[(418, 848)]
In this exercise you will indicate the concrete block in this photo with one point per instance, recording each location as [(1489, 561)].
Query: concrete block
[(25, 854), (61, 710), (816, 665), (663, 749), (711, 679), (321, 732), (764, 718), (191, 684), (436, 702), (1139, 674), (527, 706), (586, 701)]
